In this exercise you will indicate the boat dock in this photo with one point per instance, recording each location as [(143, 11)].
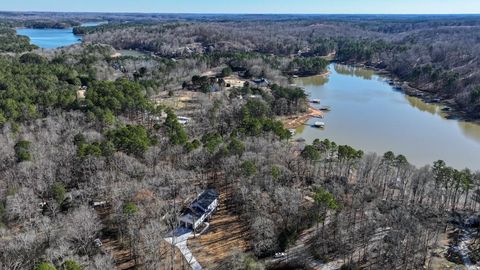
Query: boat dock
[(297, 121)]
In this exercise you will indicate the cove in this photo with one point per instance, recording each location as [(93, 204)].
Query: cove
[(50, 38), (368, 114)]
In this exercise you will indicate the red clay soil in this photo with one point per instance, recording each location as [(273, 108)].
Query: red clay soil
[(298, 120)]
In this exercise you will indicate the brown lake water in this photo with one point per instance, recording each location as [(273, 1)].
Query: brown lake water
[(368, 114)]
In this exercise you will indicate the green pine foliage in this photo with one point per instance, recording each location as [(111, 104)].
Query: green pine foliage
[(10, 42), (24, 98), (248, 168), (174, 129), (130, 208), (134, 140), (22, 151), (107, 99), (71, 265), (257, 120), (45, 266), (307, 66), (58, 192)]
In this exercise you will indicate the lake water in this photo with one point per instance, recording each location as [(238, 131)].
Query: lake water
[(50, 38), (368, 114), (53, 38)]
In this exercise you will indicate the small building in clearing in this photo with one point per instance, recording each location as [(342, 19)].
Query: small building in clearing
[(261, 82), (183, 120), (81, 92), (200, 210)]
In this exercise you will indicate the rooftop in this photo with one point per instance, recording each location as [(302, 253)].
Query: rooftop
[(205, 199), (200, 205)]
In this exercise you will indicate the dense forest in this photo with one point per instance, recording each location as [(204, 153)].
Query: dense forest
[(96, 168), (10, 42)]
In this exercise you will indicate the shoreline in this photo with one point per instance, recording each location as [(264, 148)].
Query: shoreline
[(325, 73), (293, 122), (405, 87), (296, 121), (455, 113)]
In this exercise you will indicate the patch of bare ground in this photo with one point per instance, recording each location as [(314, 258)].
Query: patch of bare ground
[(439, 254), (172, 258), (180, 100), (184, 100), (210, 73), (298, 120), (234, 81), (121, 255), (227, 234)]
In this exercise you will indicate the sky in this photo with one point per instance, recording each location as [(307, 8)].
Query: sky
[(251, 6)]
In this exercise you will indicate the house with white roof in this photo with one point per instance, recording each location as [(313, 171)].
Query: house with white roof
[(200, 210)]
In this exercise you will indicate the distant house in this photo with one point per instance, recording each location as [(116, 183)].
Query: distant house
[(200, 210), (188, 50), (261, 82), (215, 88), (116, 55), (81, 92), (183, 120)]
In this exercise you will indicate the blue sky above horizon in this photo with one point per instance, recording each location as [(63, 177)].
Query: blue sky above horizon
[(251, 6)]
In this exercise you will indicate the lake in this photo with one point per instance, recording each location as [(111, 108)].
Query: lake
[(50, 38), (368, 114)]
